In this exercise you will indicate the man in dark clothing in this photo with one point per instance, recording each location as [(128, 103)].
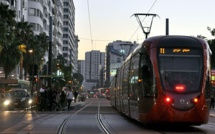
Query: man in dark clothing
[(212, 102), (62, 98), (52, 94), (75, 95)]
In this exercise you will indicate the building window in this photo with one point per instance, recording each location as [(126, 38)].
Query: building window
[(65, 10), (33, 26), (65, 42), (65, 35), (65, 29), (65, 23), (66, 3), (32, 12), (65, 16), (65, 48)]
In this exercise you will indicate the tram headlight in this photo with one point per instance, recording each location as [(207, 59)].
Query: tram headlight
[(7, 102)]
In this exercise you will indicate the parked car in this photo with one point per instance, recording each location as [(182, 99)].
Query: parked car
[(20, 98), (5, 100)]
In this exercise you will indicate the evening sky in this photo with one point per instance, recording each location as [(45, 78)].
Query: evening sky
[(99, 22)]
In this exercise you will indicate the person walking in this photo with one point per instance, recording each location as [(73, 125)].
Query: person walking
[(75, 95), (69, 98), (62, 98), (42, 92)]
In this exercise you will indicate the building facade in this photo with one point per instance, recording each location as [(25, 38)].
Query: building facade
[(70, 40), (46, 15), (81, 67), (94, 69)]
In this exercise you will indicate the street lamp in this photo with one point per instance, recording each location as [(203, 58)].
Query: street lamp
[(32, 75)]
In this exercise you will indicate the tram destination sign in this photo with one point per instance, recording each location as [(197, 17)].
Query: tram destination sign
[(181, 51)]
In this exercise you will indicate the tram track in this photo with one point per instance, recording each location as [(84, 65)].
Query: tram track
[(101, 125), (92, 117), (104, 128), (61, 128)]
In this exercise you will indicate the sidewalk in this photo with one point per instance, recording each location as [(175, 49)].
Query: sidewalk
[(212, 112)]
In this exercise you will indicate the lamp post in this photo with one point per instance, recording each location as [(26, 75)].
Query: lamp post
[(50, 52), (32, 75)]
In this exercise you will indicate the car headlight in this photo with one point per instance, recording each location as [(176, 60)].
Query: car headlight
[(30, 101), (6, 102)]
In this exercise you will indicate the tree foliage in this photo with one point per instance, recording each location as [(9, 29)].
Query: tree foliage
[(79, 77), (12, 35), (9, 53), (212, 47)]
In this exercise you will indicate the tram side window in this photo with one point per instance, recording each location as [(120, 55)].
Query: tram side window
[(125, 79), (133, 78), (146, 75)]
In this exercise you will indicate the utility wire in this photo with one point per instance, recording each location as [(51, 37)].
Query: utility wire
[(90, 24), (96, 40), (143, 20)]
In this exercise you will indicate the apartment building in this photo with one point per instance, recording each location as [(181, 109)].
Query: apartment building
[(94, 69), (55, 17), (70, 40)]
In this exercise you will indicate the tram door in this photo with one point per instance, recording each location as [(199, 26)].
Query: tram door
[(146, 82)]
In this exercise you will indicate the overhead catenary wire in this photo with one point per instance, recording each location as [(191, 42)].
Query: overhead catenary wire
[(96, 40), (91, 38), (90, 27)]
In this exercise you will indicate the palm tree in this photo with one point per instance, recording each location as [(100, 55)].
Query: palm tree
[(9, 52), (10, 57), (24, 33), (39, 45), (7, 23)]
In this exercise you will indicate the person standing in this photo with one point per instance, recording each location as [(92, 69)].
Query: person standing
[(69, 98)]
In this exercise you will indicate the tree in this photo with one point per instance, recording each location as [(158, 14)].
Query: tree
[(7, 23), (59, 64), (9, 53), (39, 45), (79, 77), (10, 57), (23, 33), (212, 47)]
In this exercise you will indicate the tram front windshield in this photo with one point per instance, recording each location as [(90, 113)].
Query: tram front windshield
[(180, 69)]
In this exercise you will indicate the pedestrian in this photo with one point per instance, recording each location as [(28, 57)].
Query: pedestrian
[(53, 99), (69, 98), (62, 98), (75, 95), (212, 102), (42, 99)]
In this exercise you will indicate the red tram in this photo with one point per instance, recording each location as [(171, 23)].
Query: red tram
[(166, 79)]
